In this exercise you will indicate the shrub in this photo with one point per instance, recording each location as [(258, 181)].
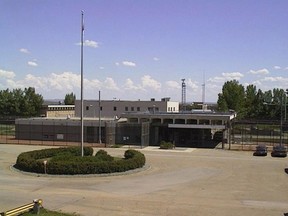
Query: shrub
[(166, 145), (130, 153), (103, 155), (67, 161)]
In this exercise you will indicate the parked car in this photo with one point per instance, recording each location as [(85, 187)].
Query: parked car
[(261, 150), (279, 151)]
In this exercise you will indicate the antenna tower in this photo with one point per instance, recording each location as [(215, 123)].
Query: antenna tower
[(183, 95)]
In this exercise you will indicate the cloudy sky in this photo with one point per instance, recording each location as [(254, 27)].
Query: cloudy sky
[(142, 49)]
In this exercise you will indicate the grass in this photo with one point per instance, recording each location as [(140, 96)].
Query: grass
[(7, 129), (45, 212)]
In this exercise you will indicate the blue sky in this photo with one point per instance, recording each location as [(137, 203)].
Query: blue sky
[(142, 49)]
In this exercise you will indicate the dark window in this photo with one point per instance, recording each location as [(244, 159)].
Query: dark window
[(132, 108), (87, 107), (115, 108), (101, 108), (126, 108), (138, 109)]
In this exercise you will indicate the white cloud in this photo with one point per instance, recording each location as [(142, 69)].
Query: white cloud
[(23, 50), (109, 83), (192, 84), (233, 76), (156, 59), (7, 74), (117, 63), (32, 63), (89, 43), (173, 84), (150, 84), (275, 79), (261, 71), (129, 85), (225, 77), (277, 67), (129, 63)]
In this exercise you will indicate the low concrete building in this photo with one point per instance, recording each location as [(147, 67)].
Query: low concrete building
[(115, 108), (142, 129)]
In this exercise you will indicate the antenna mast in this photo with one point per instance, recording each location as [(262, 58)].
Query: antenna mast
[(183, 95), (203, 93)]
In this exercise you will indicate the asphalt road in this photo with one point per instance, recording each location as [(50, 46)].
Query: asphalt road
[(182, 182)]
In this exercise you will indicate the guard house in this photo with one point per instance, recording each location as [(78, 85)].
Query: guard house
[(198, 128), (139, 123)]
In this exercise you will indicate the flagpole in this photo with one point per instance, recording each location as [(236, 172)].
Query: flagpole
[(82, 120)]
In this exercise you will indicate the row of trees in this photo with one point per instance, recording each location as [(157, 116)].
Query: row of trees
[(252, 103), (18, 102), (249, 102), (25, 103)]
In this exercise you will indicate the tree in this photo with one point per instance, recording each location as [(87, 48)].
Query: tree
[(232, 97), (32, 102), (70, 99), (253, 102), (20, 103)]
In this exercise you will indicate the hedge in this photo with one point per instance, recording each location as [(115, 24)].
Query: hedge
[(66, 161), (166, 145)]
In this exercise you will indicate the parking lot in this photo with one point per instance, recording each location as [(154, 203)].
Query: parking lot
[(175, 182)]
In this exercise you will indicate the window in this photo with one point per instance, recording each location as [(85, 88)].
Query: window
[(132, 108), (126, 109), (115, 108), (87, 107), (101, 108), (138, 109)]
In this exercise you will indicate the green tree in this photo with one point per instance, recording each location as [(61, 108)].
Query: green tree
[(20, 103), (70, 99), (253, 105), (32, 102), (232, 97), (222, 105)]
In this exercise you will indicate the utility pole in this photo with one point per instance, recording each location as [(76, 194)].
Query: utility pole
[(285, 117), (99, 118), (82, 120)]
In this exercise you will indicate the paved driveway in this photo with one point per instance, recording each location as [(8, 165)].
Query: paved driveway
[(182, 182)]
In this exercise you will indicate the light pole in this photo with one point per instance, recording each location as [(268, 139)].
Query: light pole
[(281, 120), (100, 117), (81, 66), (285, 116)]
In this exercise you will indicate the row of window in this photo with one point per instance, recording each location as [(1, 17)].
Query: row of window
[(115, 108), (61, 108), (170, 109)]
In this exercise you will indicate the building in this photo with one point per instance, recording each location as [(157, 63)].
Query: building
[(57, 110), (115, 108), (186, 129), (139, 123)]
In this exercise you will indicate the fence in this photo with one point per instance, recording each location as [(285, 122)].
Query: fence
[(246, 135)]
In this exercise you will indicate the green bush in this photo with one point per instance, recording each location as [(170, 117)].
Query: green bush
[(63, 161), (166, 145), (103, 155)]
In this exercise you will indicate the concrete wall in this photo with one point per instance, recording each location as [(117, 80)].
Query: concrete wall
[(115, 108)]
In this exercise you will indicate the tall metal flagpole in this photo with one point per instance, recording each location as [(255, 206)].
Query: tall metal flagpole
[(82, 121)]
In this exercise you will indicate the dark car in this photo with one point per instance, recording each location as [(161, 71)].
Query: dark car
[(261, 150), (279, 151)]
